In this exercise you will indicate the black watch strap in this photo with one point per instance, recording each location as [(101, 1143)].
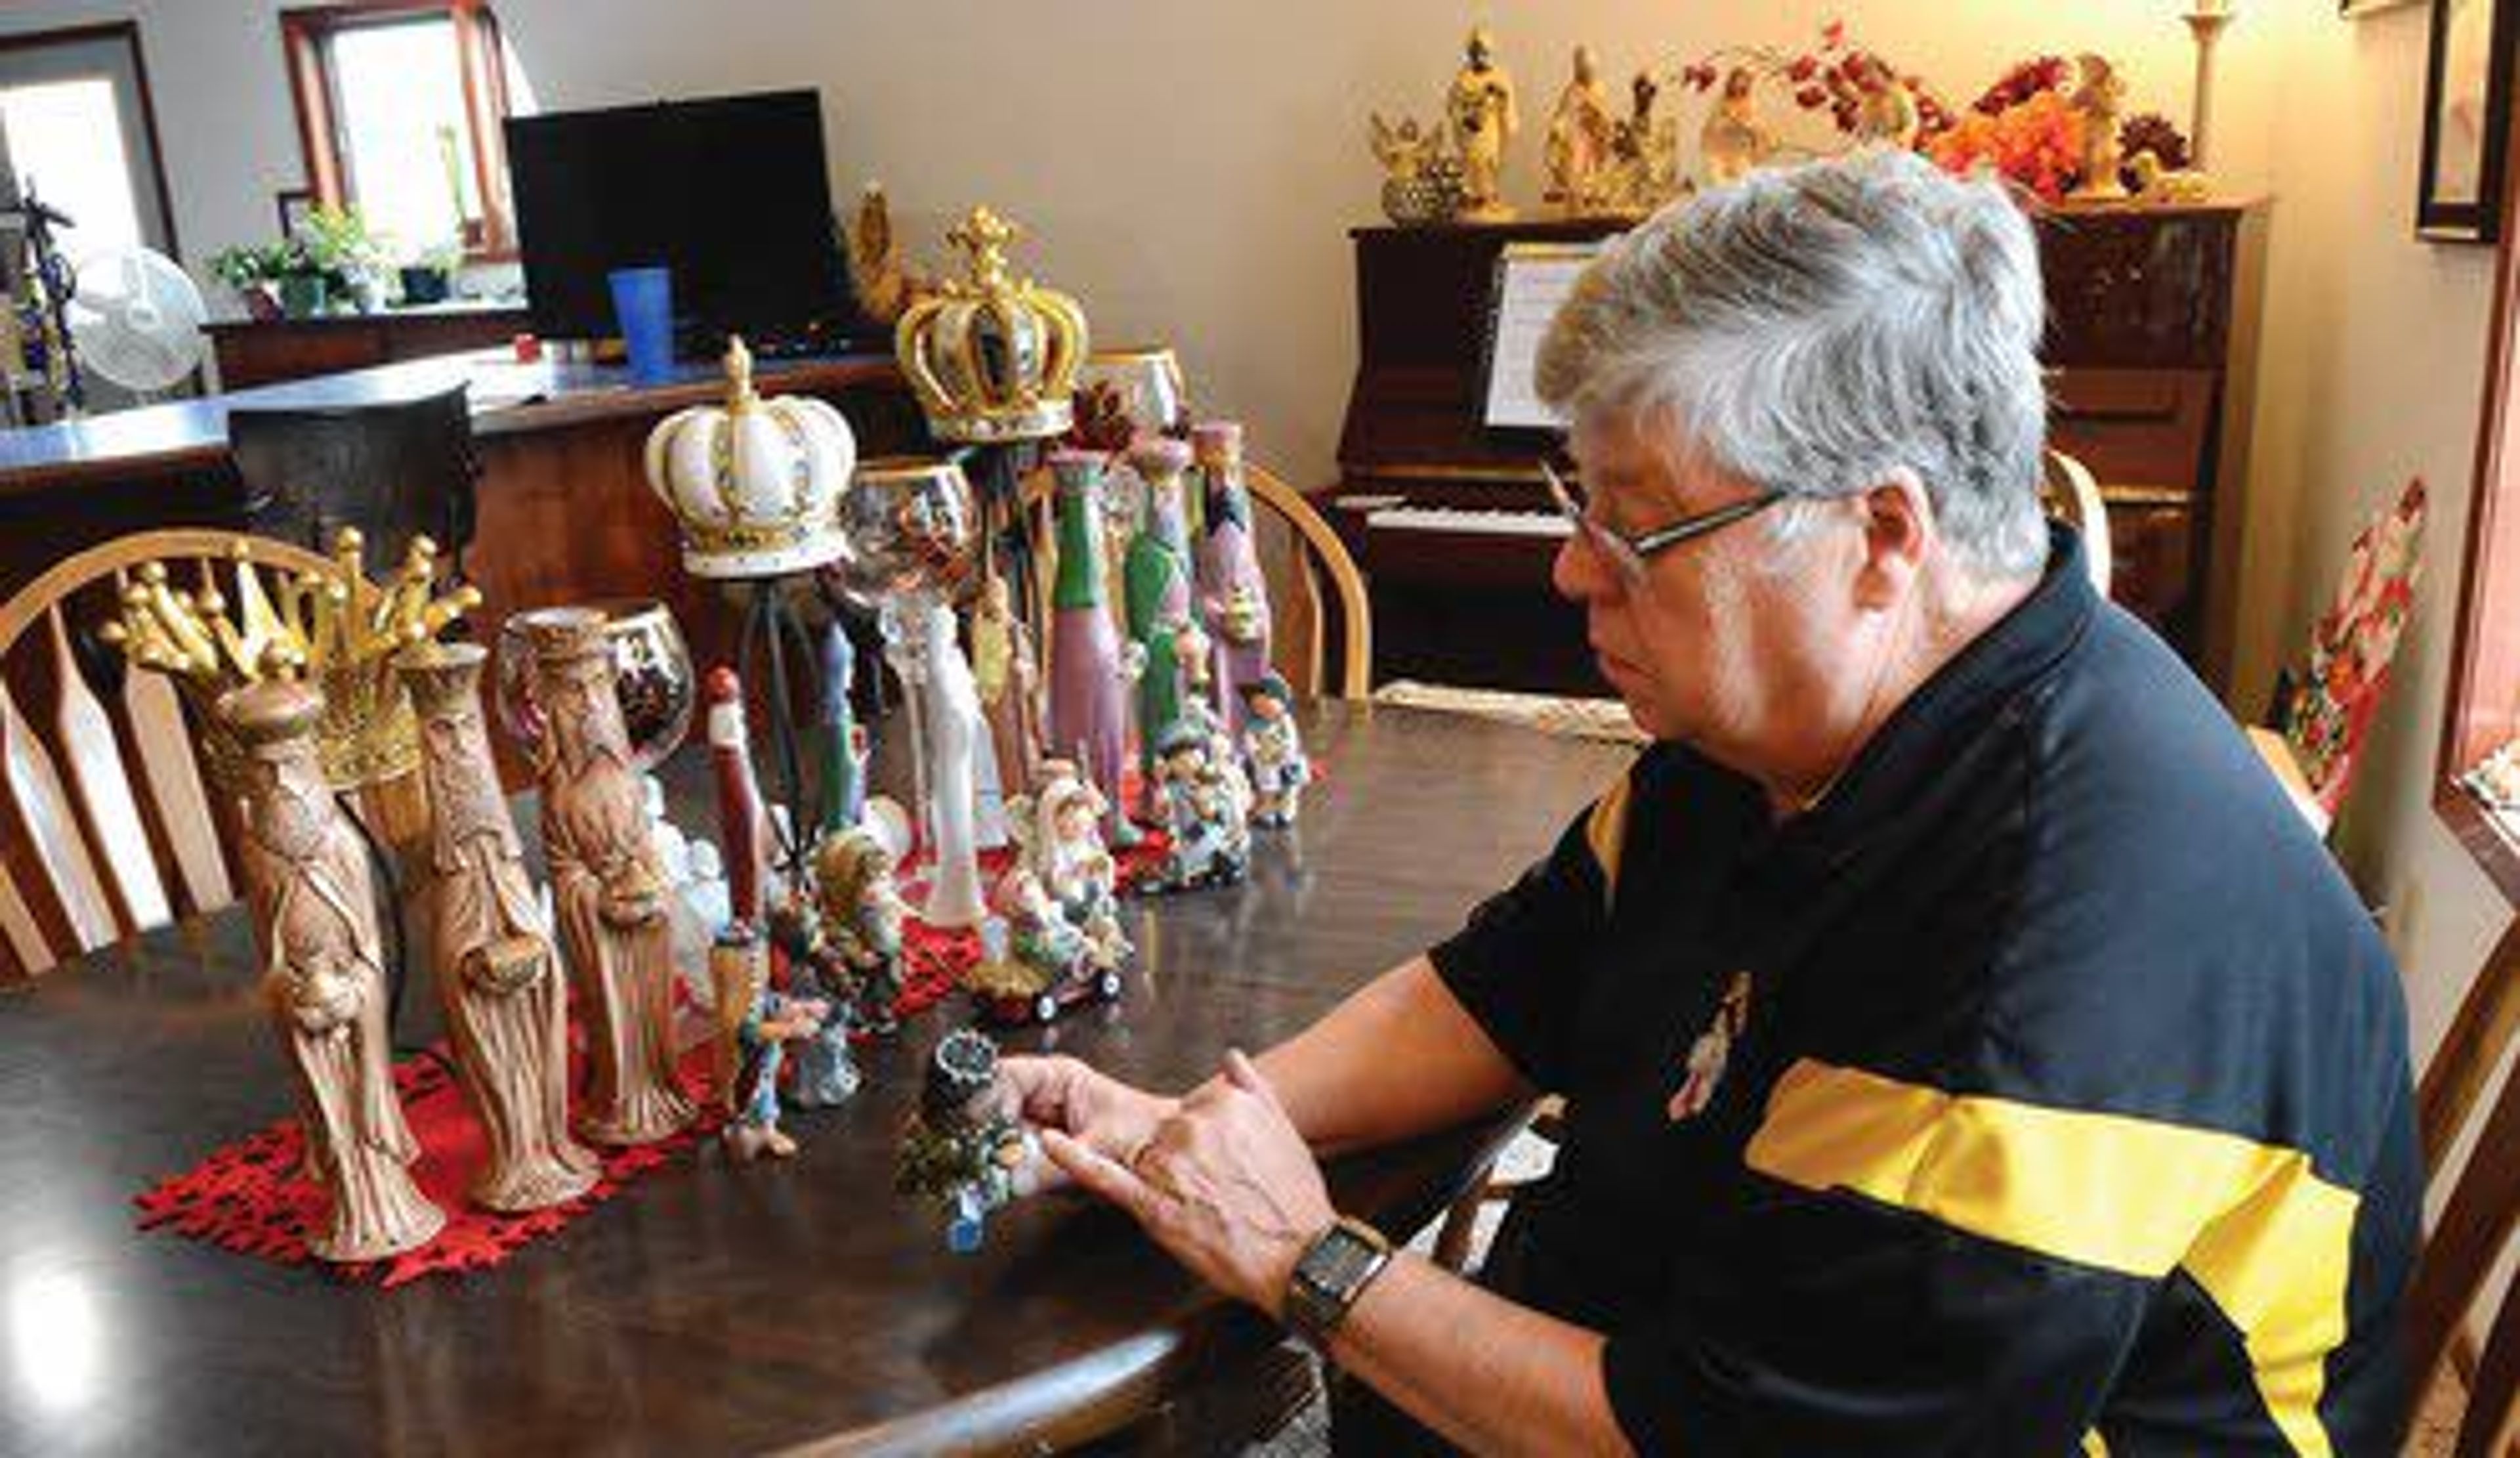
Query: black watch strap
[(1328, 1277)]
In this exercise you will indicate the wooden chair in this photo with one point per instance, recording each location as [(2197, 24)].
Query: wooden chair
[(2071, 495), (105, 827), (2467, 1243)]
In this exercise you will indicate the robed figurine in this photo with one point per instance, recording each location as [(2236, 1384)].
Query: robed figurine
[(498, 978), (1089, 717), (608, 884), (323, 984)]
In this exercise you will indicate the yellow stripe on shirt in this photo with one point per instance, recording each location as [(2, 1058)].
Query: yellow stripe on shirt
[(2268, 1240), (1605, 832)]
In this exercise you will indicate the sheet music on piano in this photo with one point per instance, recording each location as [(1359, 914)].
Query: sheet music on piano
[(1532, 280)]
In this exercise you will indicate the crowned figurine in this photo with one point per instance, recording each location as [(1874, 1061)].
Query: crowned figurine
[(755, 1026), (1155, 580), (324, 981), (498, 977), (1234, 594), (1273, 752), (992, 357), (608, 884), (753, 482), (965, 1147), (1089, 714)]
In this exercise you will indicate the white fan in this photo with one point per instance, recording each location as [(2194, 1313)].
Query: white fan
[(136, 319)]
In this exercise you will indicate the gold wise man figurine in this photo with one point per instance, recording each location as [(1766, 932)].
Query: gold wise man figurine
[(1481, 106), (607, 882), (306, 872), (507, 1014)]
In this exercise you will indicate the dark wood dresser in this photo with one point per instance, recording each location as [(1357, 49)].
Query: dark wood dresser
[(256, 351), (2150, 309)]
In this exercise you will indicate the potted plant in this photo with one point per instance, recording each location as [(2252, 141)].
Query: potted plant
[(336, 245), (430, 276), (254, 272)]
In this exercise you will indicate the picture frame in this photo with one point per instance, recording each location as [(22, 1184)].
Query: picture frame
[(2467, 120), (295, 204)]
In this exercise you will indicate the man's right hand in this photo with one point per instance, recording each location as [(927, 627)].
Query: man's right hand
[(1101, 1112)]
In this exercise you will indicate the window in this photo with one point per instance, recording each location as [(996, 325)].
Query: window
[(398, 106)]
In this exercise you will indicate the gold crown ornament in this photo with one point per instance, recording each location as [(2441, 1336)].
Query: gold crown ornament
[(992, 358), (753, 481), (333, 628)]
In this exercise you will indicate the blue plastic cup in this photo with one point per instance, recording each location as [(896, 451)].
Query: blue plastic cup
[(642, 300)]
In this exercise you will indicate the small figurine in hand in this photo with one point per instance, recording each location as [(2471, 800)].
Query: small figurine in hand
[(964, 1147), (1206, 810), (859, 913), (754, 1027), (1273, 751)]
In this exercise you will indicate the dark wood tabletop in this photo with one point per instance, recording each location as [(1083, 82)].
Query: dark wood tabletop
[(710, 1308)]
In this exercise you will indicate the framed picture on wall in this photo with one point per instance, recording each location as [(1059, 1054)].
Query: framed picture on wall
[(295, 204), (2467, 119)]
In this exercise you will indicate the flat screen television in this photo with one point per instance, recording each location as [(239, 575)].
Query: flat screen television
[(731, 192)]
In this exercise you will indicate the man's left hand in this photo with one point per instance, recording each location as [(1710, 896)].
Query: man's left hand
[(1227, 1185)]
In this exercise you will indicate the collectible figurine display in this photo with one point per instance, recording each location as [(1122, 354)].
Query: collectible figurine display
[(1035, 962), (843, 779), (742, 822), (607, 885), (1064, 847), (755, 1026), (827, 1072), (323, 980), (1578, 150), (1155, 581), (1644, 154), (856, 927), (1207, 809), (1734, 143), (1421, 181), (2100, 96), (1273, 753), (1234, 593), (1088, 712), (964, 1147), (498, 977), (1008, 674), (1480, 106), (952, 712)]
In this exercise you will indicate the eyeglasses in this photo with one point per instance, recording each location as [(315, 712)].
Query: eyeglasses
[(1628, 552)]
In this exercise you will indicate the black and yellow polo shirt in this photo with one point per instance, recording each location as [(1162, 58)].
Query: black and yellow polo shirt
[(2043, 1090)]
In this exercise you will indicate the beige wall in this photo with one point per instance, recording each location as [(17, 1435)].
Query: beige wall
[(1190, 169)]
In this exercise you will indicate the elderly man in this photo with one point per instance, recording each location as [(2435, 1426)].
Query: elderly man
[(1966, 1049)]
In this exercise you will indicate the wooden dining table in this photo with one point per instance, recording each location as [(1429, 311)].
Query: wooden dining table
[(712, 1307)]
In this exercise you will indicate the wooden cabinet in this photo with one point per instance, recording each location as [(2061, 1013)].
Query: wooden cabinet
[(253, 352)]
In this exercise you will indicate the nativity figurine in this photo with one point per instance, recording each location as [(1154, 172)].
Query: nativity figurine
[(324, 981), (1481, 110), (608, 884), (498, 974), (1577, 154)]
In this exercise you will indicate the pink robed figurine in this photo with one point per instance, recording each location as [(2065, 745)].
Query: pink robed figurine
[(1233, 595)]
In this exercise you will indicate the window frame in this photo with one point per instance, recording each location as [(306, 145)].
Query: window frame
[(306, 34), (128, 33)]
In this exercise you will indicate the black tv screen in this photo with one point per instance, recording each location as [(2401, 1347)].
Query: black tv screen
[(731, 192)]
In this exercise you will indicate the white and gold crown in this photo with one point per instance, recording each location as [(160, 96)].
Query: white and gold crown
[(753, 482), (993, 357)]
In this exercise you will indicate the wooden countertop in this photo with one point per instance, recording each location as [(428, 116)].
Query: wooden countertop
[(453, 308), (507, 397)]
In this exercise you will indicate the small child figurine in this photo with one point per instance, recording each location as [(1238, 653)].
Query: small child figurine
[(1274, 753), (859, 913), (755, 1027), (1206, 811), (964, 1147), (1035, 962), (827, 1073)]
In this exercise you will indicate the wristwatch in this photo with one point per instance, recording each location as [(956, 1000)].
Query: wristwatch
[(1328, 1277)]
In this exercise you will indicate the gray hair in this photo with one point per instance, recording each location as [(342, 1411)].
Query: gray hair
[(1817, 330)]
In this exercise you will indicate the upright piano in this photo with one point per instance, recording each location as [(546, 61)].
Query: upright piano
[(2147, 321)]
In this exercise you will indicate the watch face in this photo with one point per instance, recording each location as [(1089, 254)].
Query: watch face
[(1337, 1260)]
